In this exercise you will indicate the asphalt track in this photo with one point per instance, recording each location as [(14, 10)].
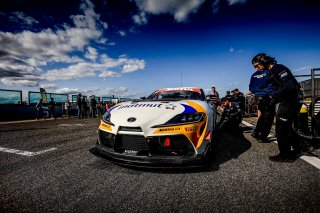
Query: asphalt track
[(46, 166)]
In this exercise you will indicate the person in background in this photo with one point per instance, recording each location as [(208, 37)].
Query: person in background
[(213, 96), (99, 107), (239, 97), (79, 105), (51, 108), (286, 94), (93, 107), (83, 107), (261, 85), (107, 106), (231, 115), (67, 107), (214, 91), (228, 95), (39, 107)]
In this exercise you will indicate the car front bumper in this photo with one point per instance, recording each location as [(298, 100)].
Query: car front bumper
[(148, 161)]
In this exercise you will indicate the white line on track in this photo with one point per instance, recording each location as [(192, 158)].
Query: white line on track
[(25, 153), (314, 161)]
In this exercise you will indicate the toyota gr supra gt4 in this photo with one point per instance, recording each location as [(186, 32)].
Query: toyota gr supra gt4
[(171, 127)]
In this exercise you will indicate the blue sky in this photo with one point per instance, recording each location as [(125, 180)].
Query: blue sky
[(129, 48)]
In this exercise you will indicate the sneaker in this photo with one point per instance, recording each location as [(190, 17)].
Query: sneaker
[(280, 158)]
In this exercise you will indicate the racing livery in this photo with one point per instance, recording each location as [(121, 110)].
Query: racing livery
[(171, 127)]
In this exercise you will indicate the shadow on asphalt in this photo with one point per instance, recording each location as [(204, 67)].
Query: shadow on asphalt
[(228, 145)]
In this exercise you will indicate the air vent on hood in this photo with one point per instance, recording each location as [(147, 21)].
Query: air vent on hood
[(130, 129)]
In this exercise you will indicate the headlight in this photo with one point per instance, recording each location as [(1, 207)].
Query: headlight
[(106, 118), (184, 119)]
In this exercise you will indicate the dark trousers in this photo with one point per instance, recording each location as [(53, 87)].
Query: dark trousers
[(265, 120), (51, 111), (301, 123), (40, 113), (286, 136), (83, 112)]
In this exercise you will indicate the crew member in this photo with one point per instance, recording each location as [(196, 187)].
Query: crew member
[(231, 115), (262, 87), (240, 99), (287, 95)]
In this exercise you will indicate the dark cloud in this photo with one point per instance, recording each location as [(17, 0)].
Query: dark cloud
[(6, 73)]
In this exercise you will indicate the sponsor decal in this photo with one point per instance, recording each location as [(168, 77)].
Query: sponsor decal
[(150, 105), (179, 89), (191, 131), (169, 129), (170, 106), (283, 74), (157, 105), (105, 126), (260, 76)]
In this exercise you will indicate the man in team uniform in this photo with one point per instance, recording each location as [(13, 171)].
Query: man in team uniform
[(286, 94)]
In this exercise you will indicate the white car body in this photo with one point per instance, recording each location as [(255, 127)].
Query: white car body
[(159, 130)]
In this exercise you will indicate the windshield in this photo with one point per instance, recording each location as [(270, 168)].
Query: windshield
[(175, 95)]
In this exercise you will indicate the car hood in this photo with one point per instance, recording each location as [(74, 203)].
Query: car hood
[(148, 114)]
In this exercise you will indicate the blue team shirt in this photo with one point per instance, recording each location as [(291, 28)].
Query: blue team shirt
[(261, 83)]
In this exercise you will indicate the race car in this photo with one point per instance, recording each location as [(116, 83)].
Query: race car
[(170, 127)]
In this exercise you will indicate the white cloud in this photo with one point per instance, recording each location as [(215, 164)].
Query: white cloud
[(22, 18), (133, 65), (216, 4), (35, 62), (122, 33), (49, 86), (140, 18), (180, 9), (104, 92), (100, 68), (87, 91), (302, 69), (28, 53), (15, 81), (231, 49), (232, 2), (109, 74), (91, 54), (76, 71), (68, 90)]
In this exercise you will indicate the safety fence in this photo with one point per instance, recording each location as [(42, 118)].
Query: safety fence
[(15, 107)]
